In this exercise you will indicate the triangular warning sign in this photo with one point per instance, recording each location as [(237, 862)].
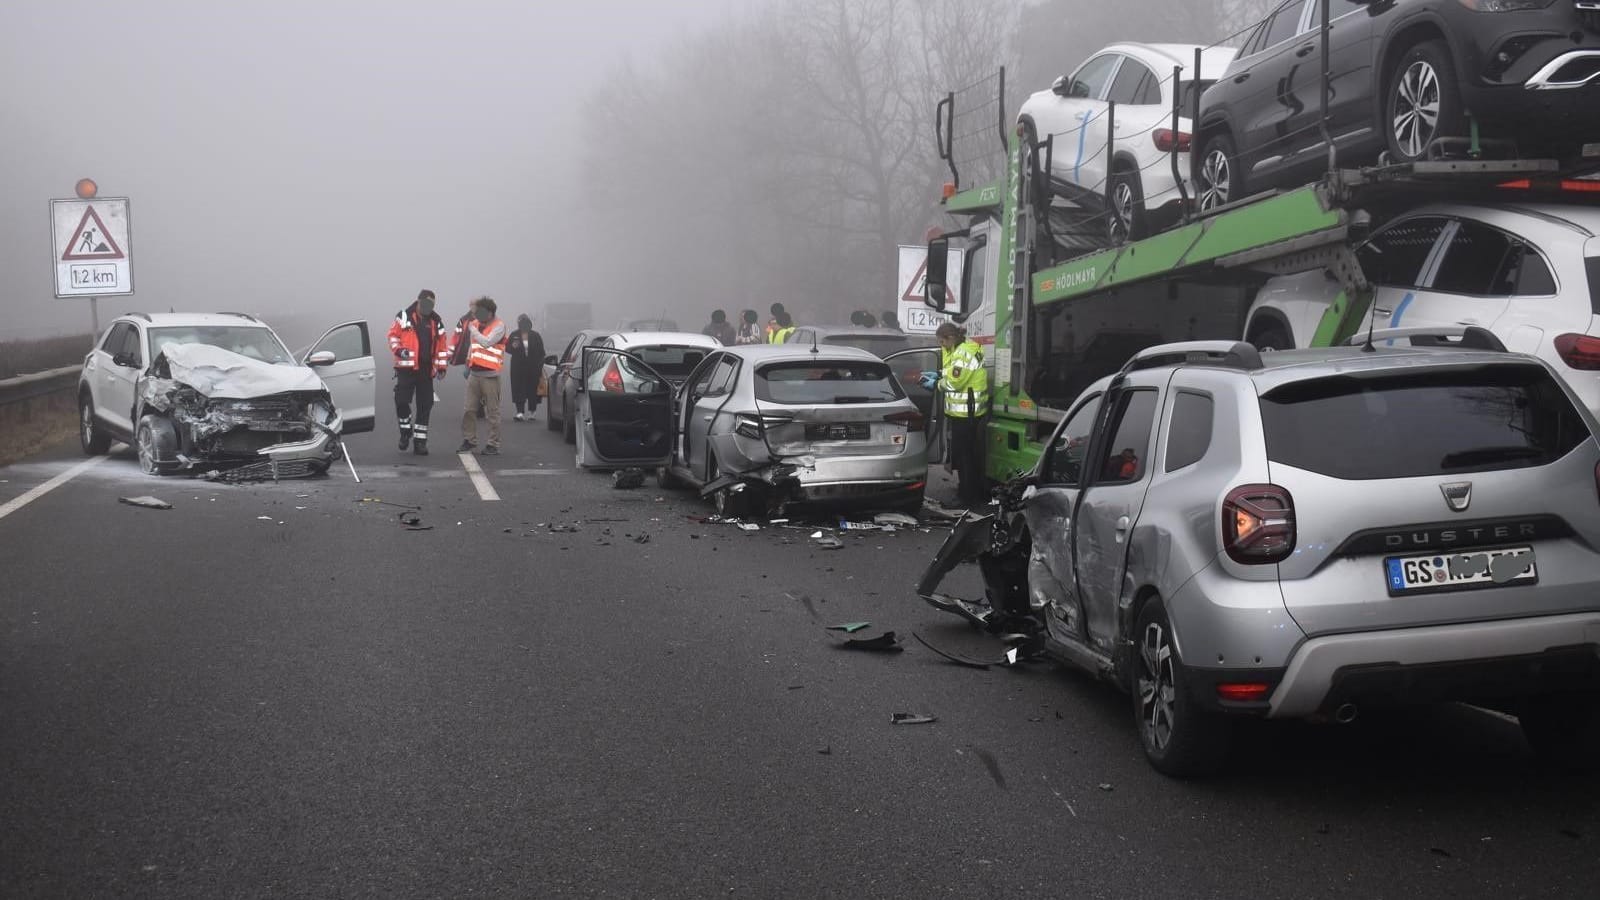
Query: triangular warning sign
[(917, 290), (90, 240)]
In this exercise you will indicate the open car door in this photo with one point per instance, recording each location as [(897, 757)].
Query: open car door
[(351, 375), (908, 366), (624, 415)]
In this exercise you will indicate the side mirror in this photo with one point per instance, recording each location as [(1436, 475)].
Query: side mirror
[(125, 360), (1059, 86), (938, 291), (551, 360), (321, 358)]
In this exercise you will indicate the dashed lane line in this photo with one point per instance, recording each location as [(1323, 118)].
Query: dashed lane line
[(34, 494), (479, 480)]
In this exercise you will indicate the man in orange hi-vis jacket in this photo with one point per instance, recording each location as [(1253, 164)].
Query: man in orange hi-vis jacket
[(421, 353)]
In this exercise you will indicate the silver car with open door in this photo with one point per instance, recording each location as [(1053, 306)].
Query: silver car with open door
[(630, 426)]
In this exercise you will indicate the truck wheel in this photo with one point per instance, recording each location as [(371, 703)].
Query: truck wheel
[(157, 444), (1220, 178), (91, 437), (1180, 739), (1564, 729), (1421, 101), (1272, 338)]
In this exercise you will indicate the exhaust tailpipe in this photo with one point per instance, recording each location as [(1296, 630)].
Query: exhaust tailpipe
[(1346, 713)]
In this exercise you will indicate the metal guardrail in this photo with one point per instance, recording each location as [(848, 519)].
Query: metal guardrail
[(24, 388)]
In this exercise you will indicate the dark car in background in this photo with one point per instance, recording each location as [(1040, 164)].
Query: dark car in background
[(1405, 74)]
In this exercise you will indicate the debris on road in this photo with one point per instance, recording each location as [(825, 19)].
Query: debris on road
[(563, 528), (641, 539), (382, 502), (911, 719), (749, 526), (938, 510), (895, 519), (826, 751), (145, 502), (827, 541), (412, 521), (1108, 788), (883, 643), (850, 627), (627, 479), (957, 658)]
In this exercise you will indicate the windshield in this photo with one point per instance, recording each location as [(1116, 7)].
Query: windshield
[(1415, 424), (675, 362), (826, 382), (881, 344), (253, 341)]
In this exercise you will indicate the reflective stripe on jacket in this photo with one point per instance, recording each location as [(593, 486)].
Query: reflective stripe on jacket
[(486, 357), (964, 381), (403, 337)]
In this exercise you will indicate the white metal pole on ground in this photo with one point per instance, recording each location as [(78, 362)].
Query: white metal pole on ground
[(349, 462)]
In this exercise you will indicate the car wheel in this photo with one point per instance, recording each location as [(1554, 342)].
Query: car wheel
[(1179, 738), (157, 445), (90, 436), (1272, 338), (1421, 101), (665, 480), (569, 427), (551, 423), (1220, 179), (1126, 199), (1564, 729)]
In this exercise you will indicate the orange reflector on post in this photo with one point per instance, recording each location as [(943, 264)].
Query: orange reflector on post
[(1520, 184), (1243, 692), (949, 190)]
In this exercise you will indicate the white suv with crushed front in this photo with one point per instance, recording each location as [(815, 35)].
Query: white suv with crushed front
[(221, 391)]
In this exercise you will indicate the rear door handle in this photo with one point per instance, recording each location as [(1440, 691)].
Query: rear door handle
[(706, 418), (366, 376), (1241, 78), (1306, 50)]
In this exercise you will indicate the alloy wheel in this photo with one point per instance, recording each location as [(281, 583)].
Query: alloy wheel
[(1216, 176), (1157, 692), (86, 423), (1122, 219), (1416, 108), (146, 441)]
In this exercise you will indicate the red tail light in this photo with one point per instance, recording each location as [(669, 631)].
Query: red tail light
[(612, 379), (1243, 693), (910, 418), (1258, 524), (1167, 140), (1579, 351)]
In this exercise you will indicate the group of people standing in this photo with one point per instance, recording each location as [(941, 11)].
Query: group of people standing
[(779, 326), (481, 344)]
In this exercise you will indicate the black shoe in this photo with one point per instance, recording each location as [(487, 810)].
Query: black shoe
[(491, 450), (420, 448), (466, 447), (405, 439)]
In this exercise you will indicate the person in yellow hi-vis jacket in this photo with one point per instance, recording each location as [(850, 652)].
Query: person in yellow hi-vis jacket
[(964, 383)]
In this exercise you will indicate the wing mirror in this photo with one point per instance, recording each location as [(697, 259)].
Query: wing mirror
[(321, 358), (1059, 86), (125, 360), (938, 256)]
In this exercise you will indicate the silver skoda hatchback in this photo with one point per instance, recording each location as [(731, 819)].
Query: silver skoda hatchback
[(1308, 533)]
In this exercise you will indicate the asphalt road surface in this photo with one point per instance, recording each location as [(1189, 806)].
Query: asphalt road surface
[(279, 691)]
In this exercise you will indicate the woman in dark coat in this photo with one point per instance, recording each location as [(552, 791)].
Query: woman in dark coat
[(525, 347)]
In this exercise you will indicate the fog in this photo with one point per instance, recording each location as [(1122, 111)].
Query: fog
[(310, 161)]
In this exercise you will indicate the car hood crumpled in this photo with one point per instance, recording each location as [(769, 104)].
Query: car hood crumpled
[(223, 374)]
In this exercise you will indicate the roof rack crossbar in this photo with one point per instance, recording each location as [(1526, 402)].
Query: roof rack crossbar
[(1466, 337), (1230, 354)]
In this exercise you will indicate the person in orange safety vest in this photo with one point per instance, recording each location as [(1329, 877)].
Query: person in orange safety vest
[(485, 339), (421, 353)]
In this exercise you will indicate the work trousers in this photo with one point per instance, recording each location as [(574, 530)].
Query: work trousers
[(409, 383), (484, 389), (967, 458)]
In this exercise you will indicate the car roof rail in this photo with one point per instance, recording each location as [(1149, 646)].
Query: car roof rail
[(1229, 354), (240, 315), (1458, 337), (143, 315)]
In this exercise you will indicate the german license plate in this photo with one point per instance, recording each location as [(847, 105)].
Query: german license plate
[(1455, 571), (1591, 150), (838, 431)]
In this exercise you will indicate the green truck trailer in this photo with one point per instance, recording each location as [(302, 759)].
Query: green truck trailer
[(1056, 317)]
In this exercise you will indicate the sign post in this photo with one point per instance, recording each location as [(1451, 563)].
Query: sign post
[(92, 247)]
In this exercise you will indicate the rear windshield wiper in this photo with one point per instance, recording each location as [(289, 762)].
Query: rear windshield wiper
[(1480, 455), (852, 400)]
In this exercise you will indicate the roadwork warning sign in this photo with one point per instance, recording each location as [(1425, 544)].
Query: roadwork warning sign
[(91, 245)]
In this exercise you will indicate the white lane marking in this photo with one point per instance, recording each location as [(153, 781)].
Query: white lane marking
[(479, 480), (50, 485)]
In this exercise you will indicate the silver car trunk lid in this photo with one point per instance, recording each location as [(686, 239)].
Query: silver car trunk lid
[(857, 429)]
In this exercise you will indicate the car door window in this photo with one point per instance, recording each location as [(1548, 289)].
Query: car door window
[(1134, 84), (1285, 24), (722, 376), (130, 348), (112, 343), (1189, 432), (1487, 262), (1063, 464), (1395, 256), (1122, 461), (701, 379), (1089, 82), (346, 342)]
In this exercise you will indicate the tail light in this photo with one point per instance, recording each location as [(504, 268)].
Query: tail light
[(612, 379), (1243, 692), (1168, 140), (1580, 351), (1258, 524), (750, 425), (910, 418)]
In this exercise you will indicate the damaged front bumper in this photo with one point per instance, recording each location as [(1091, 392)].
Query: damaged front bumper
[(278, 436)]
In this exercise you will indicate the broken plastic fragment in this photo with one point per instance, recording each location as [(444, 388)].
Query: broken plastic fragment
[(749, 526), (911, 719), (894, 518), (828, 542), (145, 502), (850, 627), (957, 658), (627, 479), (1107, 788), (883, 643)]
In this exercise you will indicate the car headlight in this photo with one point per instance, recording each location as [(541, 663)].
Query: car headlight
[(1501, 6)]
